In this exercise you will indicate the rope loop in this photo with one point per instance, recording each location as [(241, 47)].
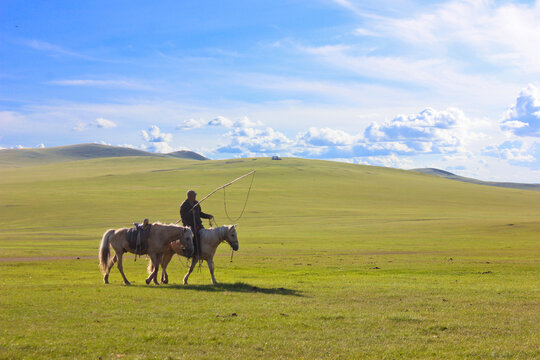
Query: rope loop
[(245, 202)]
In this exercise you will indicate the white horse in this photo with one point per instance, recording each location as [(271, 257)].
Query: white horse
[(209, 241)]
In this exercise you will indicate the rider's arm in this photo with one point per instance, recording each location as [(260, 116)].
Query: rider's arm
[(206, 216)]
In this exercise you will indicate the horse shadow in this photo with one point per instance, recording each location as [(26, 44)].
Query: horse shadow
[(239, 287)]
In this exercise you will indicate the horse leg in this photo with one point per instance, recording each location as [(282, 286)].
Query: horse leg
[(157, 271), (153, 276), (108, 270), (164, 262), (210, 263), (164, 275), (121, 268), (191, 267)]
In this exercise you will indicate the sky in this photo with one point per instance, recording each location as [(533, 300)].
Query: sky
[(453, 85)]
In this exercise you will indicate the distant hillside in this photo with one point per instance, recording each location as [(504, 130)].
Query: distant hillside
[(186, 154), (25, 157), (451, 176)]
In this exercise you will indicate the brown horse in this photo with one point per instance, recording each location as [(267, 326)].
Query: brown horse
[(160, 237), (209, 240)]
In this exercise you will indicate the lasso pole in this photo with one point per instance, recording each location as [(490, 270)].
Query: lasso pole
[(219, 188)]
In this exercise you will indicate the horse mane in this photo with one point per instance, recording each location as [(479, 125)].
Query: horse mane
[(219, 230), (222, 231)]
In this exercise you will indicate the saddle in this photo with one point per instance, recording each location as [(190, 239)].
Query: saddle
[(137, 237)]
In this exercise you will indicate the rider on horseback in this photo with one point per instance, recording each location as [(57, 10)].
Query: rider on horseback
[(193, 218)]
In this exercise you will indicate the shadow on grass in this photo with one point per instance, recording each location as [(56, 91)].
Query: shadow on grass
[(236, 287)]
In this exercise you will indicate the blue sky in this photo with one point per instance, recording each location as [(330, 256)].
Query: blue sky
[(446, 84)]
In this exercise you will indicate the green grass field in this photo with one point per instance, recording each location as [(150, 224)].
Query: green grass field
[(336, 261)]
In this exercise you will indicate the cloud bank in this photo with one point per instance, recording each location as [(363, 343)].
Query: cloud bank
[(428, 132), (523, 118)]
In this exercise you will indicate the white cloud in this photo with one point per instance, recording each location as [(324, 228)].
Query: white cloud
[(365, 32), (220, 121), (516, 152), (154, 135), (159, 142), (357, 93), (158, 147), (50, 48), (433, 72), (523, 118), (245, 122), (255, 140), (123, 84), (13, 147), (190, 124), (326, 137), (471, 52), (81, 126), (100, 123), (461, 157), (351, 6), (501, 33), (429, 131), (103, 123)]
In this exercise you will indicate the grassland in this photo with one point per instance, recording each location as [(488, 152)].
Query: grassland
[(336, 261)]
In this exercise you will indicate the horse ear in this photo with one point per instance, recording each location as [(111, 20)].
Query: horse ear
[(234, 226)]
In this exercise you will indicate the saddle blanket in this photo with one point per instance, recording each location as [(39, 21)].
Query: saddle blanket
[(137, 238)]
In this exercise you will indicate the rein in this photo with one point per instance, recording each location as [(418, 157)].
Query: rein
[(232, 251)]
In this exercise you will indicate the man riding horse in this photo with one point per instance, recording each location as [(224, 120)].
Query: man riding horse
[(192, 218)]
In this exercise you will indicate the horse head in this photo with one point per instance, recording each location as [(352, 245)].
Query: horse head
[(186, 239), (231, 237)]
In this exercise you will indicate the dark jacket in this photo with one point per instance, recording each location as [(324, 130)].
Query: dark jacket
[(192, 218)]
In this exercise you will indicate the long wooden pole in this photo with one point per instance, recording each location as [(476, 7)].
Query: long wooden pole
[(219, 188)]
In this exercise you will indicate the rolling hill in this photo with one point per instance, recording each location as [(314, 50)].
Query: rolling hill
[(451, 176), (25, 157), (186, 154)]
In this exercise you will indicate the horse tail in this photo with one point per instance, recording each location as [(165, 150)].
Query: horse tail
[(105, 250)]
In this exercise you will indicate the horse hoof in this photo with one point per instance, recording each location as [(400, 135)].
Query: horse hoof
[(127, 283), (148, 282)]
